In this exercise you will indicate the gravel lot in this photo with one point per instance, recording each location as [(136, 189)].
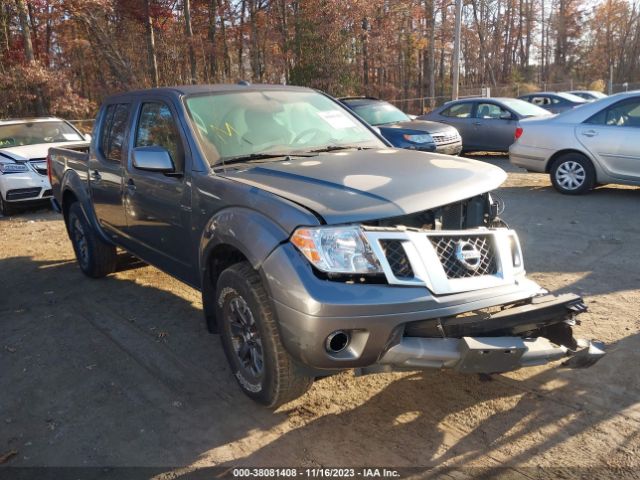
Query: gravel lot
[(121, 371)]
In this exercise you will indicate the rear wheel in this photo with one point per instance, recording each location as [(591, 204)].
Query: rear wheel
[(263, 368), (96, 258), (573, 174)]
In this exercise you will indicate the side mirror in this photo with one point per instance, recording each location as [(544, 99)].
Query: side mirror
[(506, 116), (153, 159), (87, 137)]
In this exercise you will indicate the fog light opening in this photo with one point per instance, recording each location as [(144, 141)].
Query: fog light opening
[(337, 341)]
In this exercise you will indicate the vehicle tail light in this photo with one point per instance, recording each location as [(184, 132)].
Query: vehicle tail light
[(49, 169), (519, 131)]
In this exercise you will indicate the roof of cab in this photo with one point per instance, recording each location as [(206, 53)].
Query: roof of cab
[(200, 89)]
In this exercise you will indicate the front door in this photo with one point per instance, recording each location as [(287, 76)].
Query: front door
[(613, 137), (495, 127), (158, 205), (106, 168)]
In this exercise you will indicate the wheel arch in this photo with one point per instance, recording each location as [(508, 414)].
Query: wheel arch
[(231, 236), (566, 151)]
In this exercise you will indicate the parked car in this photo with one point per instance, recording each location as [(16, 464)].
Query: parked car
[(555, 102), (485, 124), (402, 130), (317, 246), (23, 149), (595, 144), (589, 95)]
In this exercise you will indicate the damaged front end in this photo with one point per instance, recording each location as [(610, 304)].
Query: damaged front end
[(466, 247), (495, 340)]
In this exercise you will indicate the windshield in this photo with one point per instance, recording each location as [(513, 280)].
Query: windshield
[(379, 113), (238, 124), (525, 109), (33, 133)]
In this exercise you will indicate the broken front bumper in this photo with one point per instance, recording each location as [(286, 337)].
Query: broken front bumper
[(543, 329), (487, 354)]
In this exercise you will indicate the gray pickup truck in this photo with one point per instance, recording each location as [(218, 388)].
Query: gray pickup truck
[(317, 247)]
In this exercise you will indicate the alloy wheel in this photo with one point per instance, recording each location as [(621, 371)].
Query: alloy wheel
[(245, 337), (80, 240)]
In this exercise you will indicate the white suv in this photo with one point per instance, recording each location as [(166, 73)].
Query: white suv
[(24, 144)]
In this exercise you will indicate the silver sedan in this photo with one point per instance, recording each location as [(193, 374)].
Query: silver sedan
[(595, 144)]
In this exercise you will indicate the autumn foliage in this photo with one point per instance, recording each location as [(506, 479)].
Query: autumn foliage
[(63, 56)]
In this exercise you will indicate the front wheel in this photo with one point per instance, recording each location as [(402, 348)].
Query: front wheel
[(96, 257), (573, 174), (262, 367), (6, 209)]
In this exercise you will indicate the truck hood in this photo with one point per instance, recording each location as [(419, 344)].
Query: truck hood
[(355, 186), (28, 152)]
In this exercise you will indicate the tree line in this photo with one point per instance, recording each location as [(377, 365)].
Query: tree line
[(64, 56)]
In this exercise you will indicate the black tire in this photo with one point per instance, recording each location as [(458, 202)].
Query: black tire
[(573, 174), (6, 209), (262, 367), (96, 258)]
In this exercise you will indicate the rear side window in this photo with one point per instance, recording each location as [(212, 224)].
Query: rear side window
[(460, 110), (157, 127), (113, 131), (540, 100), (622, 114)]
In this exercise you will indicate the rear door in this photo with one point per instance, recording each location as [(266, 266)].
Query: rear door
[(613, 138), (495, 126), (106, 168), (158, 205)]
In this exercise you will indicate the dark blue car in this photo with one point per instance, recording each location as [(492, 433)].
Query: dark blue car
[(401, 130)]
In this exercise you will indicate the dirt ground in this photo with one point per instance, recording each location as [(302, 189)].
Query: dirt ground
[(121, 371)]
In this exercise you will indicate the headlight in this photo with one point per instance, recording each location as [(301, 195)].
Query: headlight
[(6, 168), (422, 138), (337, 249)]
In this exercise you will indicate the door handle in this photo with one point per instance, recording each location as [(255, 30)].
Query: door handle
[(95, 175), (589, 133), (477, 123), (131, 186)]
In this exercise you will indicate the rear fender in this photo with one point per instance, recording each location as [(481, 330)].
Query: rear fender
[(72, 183)]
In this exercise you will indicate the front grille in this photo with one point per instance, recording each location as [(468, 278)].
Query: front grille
[(22, 193), (442, 138), (397, 258), (454, 268), (39, 166)]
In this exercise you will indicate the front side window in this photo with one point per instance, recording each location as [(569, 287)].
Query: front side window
[(114, 128), (460, 110), (237, 124), (380, 113), (157, 128), (622, 114), (492, 111), (33, 133)]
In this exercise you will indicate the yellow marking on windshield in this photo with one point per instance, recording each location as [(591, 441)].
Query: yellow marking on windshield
[(224, 132)]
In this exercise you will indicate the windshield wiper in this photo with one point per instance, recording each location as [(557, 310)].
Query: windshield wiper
[(333, 148), (261, 156)]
